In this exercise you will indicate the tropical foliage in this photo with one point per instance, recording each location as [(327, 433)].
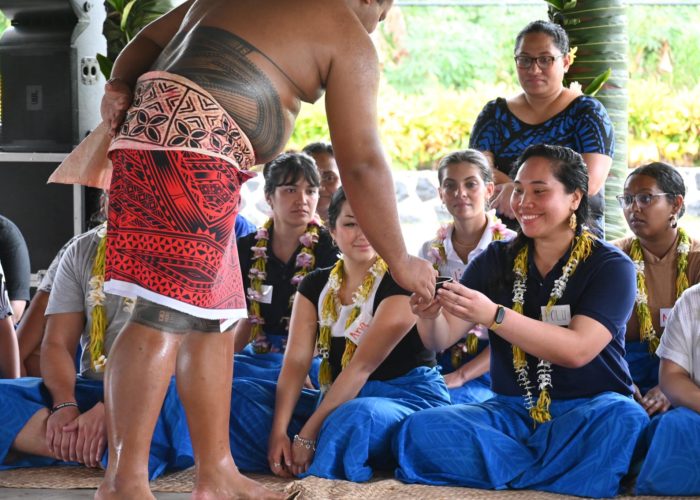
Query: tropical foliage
[(125, 18)]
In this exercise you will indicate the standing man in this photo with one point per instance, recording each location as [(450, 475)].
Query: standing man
[(206, 91)]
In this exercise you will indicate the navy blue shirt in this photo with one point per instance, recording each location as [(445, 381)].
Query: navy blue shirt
[(603, 287)]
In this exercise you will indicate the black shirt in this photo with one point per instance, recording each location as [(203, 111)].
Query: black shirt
[(279, 276), (408, 354)]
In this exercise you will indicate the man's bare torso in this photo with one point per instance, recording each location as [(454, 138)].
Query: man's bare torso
[(258, 59)]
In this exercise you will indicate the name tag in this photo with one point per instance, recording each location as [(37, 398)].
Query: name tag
[(558, 315), (664, 313), (355, 333), (266, 292)]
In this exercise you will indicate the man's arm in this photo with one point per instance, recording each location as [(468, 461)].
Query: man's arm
[(136, 59), (58, 371), (9, 352), (677, 385), (351, 106), (31, 332)]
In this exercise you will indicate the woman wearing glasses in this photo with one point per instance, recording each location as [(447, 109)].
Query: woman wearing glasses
[(545, 112), (667, 262)]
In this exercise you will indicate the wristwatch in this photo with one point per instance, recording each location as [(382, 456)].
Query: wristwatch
[(500, 316)]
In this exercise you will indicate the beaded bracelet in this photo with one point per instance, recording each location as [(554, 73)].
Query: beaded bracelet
[(309, 444), (63, 405)]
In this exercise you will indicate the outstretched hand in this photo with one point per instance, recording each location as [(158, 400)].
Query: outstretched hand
[(416, 275), (466, 304), (115, 102)]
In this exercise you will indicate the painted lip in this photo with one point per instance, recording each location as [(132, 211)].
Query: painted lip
[(637, 222), (462, 205)]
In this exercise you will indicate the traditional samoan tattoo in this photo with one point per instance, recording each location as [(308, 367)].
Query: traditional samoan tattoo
[(219, 61)]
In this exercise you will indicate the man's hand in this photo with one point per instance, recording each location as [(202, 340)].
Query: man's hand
[(91, 432), (416, 275), (115, 102), (59, 442)]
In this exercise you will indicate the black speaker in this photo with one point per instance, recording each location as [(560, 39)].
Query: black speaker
[(51, 81), (47, 214)]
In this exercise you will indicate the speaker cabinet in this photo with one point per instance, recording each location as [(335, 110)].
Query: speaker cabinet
[(51, 82)]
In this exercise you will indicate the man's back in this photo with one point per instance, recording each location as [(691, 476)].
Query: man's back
[(259, 60)]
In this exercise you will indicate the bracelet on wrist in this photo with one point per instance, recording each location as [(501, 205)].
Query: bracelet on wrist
[(309, 444), (63, 405)]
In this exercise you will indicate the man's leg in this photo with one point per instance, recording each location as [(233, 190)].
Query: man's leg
[(31, 440), (140, 365), (204, 374)]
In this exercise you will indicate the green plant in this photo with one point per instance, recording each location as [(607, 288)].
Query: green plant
[(125, 18)]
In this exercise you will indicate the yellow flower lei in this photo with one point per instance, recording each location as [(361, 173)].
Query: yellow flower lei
[(439, 257), (583, 247), (96, 299), (306, 260), (329, 315), (646, 328)]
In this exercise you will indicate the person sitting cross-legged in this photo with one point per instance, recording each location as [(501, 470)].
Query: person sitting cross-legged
[(61, 417)]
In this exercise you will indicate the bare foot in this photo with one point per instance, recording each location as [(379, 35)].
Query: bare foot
[(108, 491), (234, 485)]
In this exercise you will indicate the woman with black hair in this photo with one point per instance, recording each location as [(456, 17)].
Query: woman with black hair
[(374, 371), (275, 259), (545, 112), (557, 300), (667, 261)]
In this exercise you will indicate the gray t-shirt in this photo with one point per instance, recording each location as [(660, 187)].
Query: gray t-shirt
[(72, 292), (47, 280)]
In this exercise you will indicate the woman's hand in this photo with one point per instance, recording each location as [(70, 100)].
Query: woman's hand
[(501, 199), (466, 304), (454, 379), (303, 451), (424, 309), (279, 455), (655, 401)]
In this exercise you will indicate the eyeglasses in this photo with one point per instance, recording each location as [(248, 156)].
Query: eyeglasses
[(543, 62), (643, 199)]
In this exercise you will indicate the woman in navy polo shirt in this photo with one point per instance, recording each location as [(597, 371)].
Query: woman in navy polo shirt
[(557, 301)]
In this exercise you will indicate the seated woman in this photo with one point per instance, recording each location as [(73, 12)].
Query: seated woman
[(275, 259), (61, 418), (360, 320), (672, 463), (9, 350), (563, 419), (667, 261), (545, 112), (466, 184)]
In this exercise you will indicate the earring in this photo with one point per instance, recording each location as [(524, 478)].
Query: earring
[(573, 222), (674, 221)]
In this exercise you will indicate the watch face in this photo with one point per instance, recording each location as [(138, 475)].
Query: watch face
[(500, 314)]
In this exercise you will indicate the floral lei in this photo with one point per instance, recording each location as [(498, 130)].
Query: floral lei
[(438, 256), (329, 315), (646, 328), (305, 261), (96, 299), (583, 247)]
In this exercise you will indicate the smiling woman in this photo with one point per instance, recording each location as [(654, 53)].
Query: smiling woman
[(557, 314)]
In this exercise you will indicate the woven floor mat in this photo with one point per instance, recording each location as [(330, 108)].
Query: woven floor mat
[(71, 478), (310, 488)]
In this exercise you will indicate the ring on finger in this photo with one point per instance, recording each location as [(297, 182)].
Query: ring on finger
[(276, 465)]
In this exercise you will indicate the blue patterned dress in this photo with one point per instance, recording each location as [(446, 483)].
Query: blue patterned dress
[(584, 126)]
